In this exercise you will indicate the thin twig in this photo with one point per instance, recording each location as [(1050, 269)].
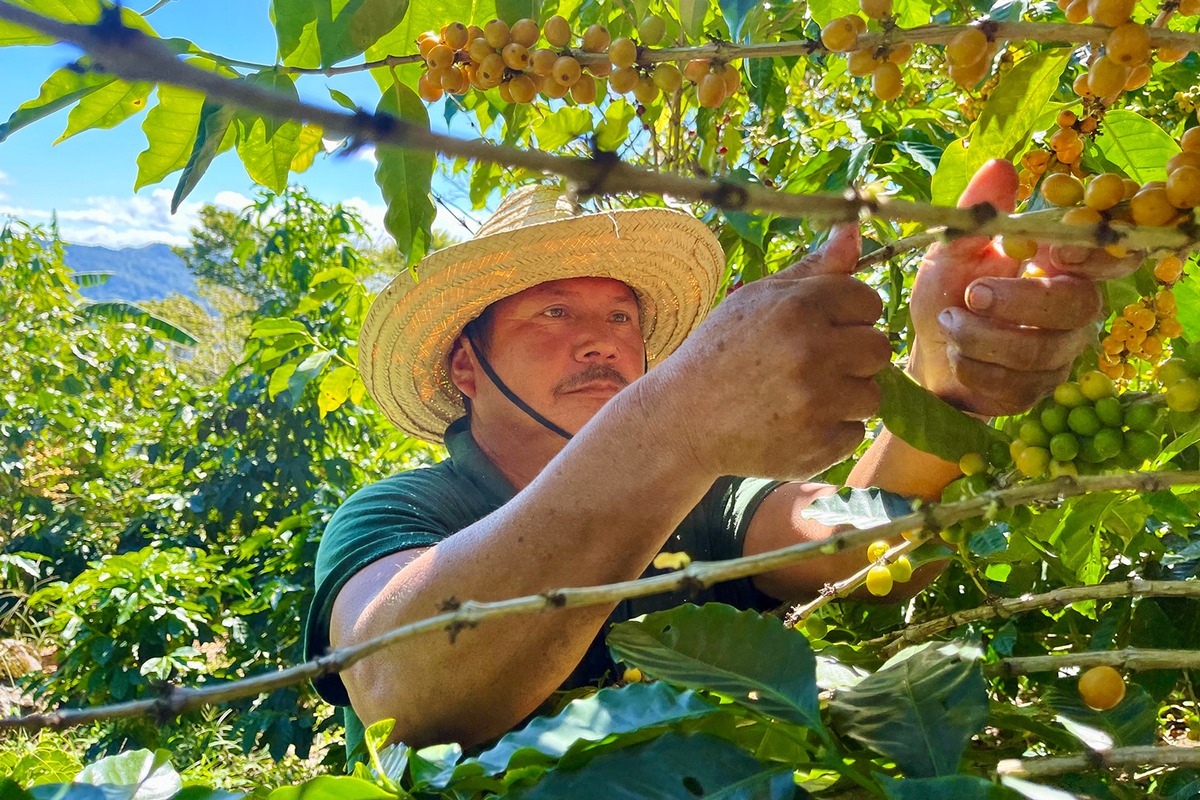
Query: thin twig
[(1119, 757), (462, 616), (1133, 659), (843, 588), (1059, 598), (134, 56)]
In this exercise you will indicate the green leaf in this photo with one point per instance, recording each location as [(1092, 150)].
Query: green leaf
[(1133, 722), (1075, 536), (335, 389), (752, 658), (613, 130), (691, 17), (171, 128), (332, 787), (212, 135), (1005, 124), (424, 17), (268, 159), (276, 326), (309, 368), (751, 227), (735, 13), (823, 11), (560, 127), (927, 422), (280, 378), (150, 771), (949, 787), (860, 508), (320, 33), (1187, 298), (107, 107), (919, 710), (80, 12), (86, 280), (672, 766), (61, 89), (405, 178), (310, 142), (116, 311), (1136, 146), (609, 712), (512, 10)]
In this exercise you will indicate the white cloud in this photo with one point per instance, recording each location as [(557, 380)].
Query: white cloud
[(4, 178)]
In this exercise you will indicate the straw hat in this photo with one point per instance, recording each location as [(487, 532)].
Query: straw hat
[(670, 259)]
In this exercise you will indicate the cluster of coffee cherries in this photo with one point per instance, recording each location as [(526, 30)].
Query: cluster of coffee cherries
[(1140, 331), (883, 65), (524, 60), (883, 576)]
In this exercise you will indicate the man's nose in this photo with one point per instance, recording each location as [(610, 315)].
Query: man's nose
[(597, 343)]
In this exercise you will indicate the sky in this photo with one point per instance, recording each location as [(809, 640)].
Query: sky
[(88, 179)]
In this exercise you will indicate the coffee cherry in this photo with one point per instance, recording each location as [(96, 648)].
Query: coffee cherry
[(1129, 44), (731, 76), (967, 47), (455, 81), (711, 91), (1190, 140), (1082, 216), (877, 549), (497, 34), (516, 56), (426, 42), (1184, 395), (840, 34), (1102, 688), (1183, 187), (876, 9), (1019, 248), (429, 90), (583, 92), (596, 39), (1032, 462), (525, 32), (455, 35), (972, 464), (901, 53), (623, 52), (478, 49), (667, 77), (861, 63), (1111, 12), (1150, 206), (901, 569), (652, 30), (879, 581), (1076, 11), (816, 627), (623, 80), (1168, 269), (557, 31), (1104, 191), (553, 90), (522, 89), (646, 91), (886, 81), (1080, 85), (971, 74), (541, 61), (441, 57), (566, 70), (491, 69), (1106, 77), (1139, 76), (1062, 190)]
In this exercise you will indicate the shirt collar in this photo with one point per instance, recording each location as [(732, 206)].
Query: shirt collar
[(474, 463)]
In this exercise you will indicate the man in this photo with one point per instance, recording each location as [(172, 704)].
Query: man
[(569, 467)]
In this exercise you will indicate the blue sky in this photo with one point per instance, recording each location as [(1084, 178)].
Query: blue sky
[(88, 179)]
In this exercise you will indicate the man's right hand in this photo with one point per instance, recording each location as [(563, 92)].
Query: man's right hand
[(777, 381)]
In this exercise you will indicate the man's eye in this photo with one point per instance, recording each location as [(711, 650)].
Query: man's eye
[(555, 312), (621, 316)]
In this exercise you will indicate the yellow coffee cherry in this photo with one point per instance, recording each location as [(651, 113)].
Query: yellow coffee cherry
[(622, 52), (557, 31), (596, 39), (1062, 190), (632, 675), (1107, 78), (967, 47), (887, 82), (1151, 206), (972, 463), (877, 550), (840, 34), (901, 569), (861, 63), (525, 32), (623, 80), (1183, 187), (1102, 688), (1104, 191), (1129, 44), (880, 581), (667, 77), (497, 33), (876, 9)]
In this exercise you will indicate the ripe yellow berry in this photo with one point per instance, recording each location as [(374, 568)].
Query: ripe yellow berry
[(1076, 11), (1190, 140), (1062, 190), (646, 91), (970, 74), (886, 81), (1150, 206), (430, 91), (596, 39), (525, 32), (1020, 248), (1102, 688), (426, 42), (1036, 161), (1104, 191), (622, 81), (1082, 216), (622, 52), (632, 675), (497, 33), (1111, 12), (652, 30), (516, 56), (1129, 44), (522, 89), (1168, 269), (876, 9), (967, 47), (478, 49), (455, 35), (731, 76), (1183, 187), (972, 463), (491, 69), (584, 90), (876, 550), (1107, 78), (879, 581), (711, 91), (566, 70), (696, 69), (901, 570), (557, 31), (441, 57), (541, 61), (668, 77), (840, 34), (1139, 76)]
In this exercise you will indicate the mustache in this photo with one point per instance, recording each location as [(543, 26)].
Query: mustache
[(593, 373)]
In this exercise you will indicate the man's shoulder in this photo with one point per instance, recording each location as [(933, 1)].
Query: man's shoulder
[(419, 487)]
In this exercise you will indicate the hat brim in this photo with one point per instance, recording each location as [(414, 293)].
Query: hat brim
[(671, 260)]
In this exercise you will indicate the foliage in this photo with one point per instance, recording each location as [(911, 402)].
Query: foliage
[(176, 506)]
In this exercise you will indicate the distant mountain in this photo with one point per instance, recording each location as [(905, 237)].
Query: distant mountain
[(139, 273)]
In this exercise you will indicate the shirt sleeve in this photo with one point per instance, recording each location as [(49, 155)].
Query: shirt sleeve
[(376, 521)]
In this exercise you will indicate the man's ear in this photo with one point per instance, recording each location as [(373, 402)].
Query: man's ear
[(462, 368)]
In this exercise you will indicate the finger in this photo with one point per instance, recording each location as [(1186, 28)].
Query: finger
[(837, 299), (839, 255), (864, 350), (994, 184), (995, 390), (1059, 303), (1017, 348), (857, 398), (1092, 262)]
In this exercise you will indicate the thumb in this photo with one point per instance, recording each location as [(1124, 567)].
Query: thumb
[(839, 255), (995, 183)]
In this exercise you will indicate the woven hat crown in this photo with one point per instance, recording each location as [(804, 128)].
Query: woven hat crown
[(529, 205)]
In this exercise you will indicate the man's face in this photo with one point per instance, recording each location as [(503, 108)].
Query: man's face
[(564, 347)]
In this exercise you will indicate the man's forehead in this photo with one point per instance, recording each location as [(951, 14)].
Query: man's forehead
[(566, 288)]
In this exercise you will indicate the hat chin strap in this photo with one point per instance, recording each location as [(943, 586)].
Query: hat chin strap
[(510, 394)]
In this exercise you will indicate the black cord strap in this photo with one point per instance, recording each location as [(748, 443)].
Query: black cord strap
[(512, 397)]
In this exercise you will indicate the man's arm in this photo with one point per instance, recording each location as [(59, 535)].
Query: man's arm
[(602, 509)]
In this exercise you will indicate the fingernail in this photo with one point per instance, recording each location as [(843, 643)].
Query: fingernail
[(946, 317), (980, 297)]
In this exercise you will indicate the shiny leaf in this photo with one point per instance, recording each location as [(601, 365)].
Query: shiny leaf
[(405, 178), (927, 422), (1136, 146), (107, 107), (60, 90), (171, 128), (214, 132)]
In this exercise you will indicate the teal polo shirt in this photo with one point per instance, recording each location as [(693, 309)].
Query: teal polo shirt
[(422, 507)]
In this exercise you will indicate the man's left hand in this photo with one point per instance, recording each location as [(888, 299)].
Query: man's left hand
[(987, 340)]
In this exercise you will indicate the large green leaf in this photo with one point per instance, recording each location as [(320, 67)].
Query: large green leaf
[(171, 128), (735, 13), (149, 771), (61, 89), (107, 107), (927, 422), (825, 10), (512, 10), (691, 17), (1133, 722), (949, 787), (919, 710), (613, 130), (268, 159), (80, 12), (609, 712), (1005, 124), (117, 311), (332, 787), (424, 17), (1187, 297), (320, 33), (214, 133), (752, 658), (1136, 145), (671, 766), (861, 508), (405, 178), (562, 126)]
